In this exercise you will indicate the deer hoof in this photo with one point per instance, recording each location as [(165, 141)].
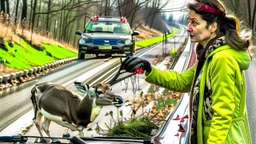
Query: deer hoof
[(55, 140), (67, 135), (42, 140)]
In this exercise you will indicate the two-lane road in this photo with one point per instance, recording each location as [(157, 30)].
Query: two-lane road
[(251, 97), (16, 101)]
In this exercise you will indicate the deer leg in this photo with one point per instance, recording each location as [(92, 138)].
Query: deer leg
[(45, 125), (81, 133), (80, 130), (37, 122)]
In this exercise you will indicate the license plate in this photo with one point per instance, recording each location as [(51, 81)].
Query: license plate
[(105, 47)]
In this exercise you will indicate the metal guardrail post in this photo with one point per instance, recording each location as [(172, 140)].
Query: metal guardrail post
[(12, 80), (7, 80), (1, 84), (21, 75)]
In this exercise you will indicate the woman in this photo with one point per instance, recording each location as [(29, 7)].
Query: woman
[(216, 82)]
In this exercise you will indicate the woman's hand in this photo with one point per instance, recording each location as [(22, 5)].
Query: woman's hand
[(131, 64)]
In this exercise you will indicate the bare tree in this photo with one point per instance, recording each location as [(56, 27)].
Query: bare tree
[(16, 12), (31, 14), (38, 16), (106, 6), (157, 6), (33, 20), (7, 7), (24, 11), (129, 8), (47, 17), (2, 3)]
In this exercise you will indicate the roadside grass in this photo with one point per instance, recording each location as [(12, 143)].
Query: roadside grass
[(162, 104), (154, 40), (57, 51), (24, 56)]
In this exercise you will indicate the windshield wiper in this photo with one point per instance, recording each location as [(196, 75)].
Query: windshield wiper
[(89, 31), (24, 139), (107, 31), (75, 139), (13, 139), (119, 139)]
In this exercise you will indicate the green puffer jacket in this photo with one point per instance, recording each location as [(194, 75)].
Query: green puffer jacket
[(223, 72)]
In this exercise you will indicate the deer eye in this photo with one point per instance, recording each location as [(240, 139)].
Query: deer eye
[(100, 92)]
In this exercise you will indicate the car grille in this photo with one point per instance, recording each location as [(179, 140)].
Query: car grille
[(101, 42)]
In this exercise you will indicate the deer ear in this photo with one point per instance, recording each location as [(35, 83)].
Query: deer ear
[(106, 86), (87, 86), (82, 87)]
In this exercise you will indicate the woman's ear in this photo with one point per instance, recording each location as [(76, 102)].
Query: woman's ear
[(213, 27)]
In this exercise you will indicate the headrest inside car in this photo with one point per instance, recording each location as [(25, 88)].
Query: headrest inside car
[(98, 29), (117, 30)]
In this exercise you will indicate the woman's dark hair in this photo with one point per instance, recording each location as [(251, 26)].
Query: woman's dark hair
[(228, 25)]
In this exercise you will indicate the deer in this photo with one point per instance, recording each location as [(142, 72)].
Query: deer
[(68, 109)]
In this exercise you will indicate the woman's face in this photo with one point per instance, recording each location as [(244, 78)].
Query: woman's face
[(197, 29)]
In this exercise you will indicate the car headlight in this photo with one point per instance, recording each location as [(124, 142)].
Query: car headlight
[(81, 41), (125, 41), (84, 40)]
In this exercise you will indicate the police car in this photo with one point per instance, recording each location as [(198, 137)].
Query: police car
[(106, 35)]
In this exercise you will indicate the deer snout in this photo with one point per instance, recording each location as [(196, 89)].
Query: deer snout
[(108, 99), (103, 101), (118, 99)]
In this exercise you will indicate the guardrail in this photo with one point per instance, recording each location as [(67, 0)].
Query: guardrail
[(16, 78), (173, 130)]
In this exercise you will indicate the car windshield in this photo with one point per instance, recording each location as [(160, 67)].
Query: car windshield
[(51, 69), (108, 27)]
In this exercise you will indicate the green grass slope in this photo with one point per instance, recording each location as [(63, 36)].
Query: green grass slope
[(25, 56), (154, 40)]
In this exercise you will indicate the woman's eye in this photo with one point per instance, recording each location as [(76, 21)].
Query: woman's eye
[(194, 23)]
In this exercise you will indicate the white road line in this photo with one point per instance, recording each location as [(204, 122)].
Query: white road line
[(91, 72), (150, 50)]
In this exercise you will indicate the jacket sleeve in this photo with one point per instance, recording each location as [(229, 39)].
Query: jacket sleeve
[(222, 75), (171, 79)]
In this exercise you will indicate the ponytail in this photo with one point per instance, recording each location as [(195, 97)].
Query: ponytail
[(231, 27)]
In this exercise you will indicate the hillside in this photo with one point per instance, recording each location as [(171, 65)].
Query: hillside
[(146, 32), (13, 45)]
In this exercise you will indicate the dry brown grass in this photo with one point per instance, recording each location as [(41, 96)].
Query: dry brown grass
[(8, 33), (5, 70)]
